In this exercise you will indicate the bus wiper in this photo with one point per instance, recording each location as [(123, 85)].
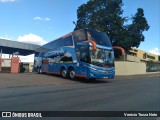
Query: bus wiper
[(99, 64)]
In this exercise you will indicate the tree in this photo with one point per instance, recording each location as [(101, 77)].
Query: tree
[(137, 27), (106, 16)]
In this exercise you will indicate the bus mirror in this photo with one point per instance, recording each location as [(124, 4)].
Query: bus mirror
[(77, 64), (94, 45)]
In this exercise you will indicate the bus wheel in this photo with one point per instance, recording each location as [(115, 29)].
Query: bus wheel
[(63, 72), (71, 73)]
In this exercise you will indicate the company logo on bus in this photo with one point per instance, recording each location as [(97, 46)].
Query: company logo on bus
[(54, 53)]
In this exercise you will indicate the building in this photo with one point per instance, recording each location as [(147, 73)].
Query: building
[(152, 61), (143, 55), (27, 65), (136, 62), (14, 48)]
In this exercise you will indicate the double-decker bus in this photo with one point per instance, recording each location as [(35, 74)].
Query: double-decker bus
[(83, 53)]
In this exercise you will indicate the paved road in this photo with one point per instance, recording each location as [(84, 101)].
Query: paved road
[(131, 94), (34, 92)]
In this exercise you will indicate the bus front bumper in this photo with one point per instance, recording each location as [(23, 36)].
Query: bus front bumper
[(101, 75)]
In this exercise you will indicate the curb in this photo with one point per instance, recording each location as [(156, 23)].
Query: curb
[(151, 75)]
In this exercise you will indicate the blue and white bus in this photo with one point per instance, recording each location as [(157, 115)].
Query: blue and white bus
[(83, 53)]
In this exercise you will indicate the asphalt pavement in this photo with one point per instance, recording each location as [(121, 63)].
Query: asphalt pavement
[(34, 92)]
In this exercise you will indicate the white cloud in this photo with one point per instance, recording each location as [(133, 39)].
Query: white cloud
[(32, 38), (1, 37), (37, 18), (4, 1), (155, 51), (41, 19), (47, 19)]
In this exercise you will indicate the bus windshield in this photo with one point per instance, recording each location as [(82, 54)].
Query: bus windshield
[(100, 38), (102, 57)]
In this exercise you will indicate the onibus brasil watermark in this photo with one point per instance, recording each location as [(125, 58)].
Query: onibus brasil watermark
[(21, 114)]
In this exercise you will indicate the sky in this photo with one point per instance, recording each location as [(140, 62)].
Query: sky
[(40, 21)]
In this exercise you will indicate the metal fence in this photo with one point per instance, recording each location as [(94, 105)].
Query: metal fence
[(152, 66)]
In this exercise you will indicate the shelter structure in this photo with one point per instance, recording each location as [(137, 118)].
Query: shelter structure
[(14, 48)]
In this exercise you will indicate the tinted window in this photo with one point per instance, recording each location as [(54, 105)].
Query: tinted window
[(67, 41), (100, 38), (82, 53), (79, 35), (59, 43), (102, 57), (66, 59)]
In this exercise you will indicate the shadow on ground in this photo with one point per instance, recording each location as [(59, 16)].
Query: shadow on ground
[(83, 80)]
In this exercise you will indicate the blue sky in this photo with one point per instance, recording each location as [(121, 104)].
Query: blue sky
[(152, 13), (40, 21)]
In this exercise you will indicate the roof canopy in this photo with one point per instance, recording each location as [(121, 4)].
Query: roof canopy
[(11, 47)]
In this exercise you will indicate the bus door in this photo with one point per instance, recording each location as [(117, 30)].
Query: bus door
[(82, 52), (45, 65)]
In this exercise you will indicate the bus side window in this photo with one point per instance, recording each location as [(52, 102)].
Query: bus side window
[(45, 61), (66, 59), (67, 41)]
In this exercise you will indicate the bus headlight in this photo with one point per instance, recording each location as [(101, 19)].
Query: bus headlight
[(91, 74)]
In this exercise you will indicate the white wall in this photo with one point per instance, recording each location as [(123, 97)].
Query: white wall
[(129, 68)]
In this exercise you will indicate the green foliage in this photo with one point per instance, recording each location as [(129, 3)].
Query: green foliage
[(106, 16)]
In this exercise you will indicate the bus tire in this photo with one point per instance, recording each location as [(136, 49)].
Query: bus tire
[(63, 73), (71, 73)]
